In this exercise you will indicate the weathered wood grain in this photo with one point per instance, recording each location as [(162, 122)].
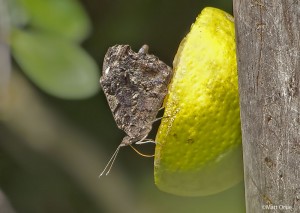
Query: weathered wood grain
[(268, 52)]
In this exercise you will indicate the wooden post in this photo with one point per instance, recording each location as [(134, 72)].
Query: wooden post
[(268, 52), (4, 55)]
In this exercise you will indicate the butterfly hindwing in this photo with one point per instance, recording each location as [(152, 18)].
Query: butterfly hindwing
[(135, 85)]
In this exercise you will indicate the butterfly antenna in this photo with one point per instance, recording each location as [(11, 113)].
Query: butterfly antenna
[(110, 162), (144, 155)]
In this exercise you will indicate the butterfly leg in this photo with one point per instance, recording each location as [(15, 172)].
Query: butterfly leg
[(161, 108), (160, 118), (145, 141)]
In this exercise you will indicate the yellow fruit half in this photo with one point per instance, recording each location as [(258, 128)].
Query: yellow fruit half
[(198, 148)]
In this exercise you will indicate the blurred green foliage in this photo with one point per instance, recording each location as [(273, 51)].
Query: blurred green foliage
[(56, 130), (57, 66), (64, 18), (47, 47)]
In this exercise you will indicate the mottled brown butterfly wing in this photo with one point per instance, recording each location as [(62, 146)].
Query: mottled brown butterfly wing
[(135, 85)]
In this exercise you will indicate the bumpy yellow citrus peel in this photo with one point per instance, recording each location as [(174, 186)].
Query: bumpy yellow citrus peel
[(198, 148)]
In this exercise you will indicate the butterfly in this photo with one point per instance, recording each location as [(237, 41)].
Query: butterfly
[(135, 85)]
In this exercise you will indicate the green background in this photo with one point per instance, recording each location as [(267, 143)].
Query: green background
[(55, 138)]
